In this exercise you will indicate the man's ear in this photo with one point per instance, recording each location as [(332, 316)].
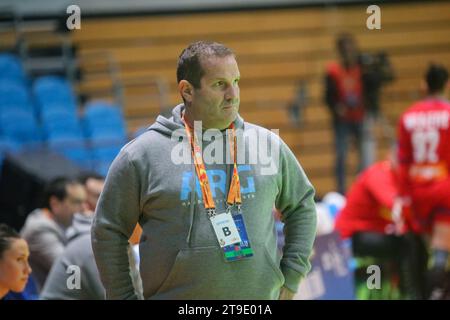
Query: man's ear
[(186, 90), (53, 203)]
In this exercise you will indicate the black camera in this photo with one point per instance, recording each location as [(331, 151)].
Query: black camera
[(376, 70)]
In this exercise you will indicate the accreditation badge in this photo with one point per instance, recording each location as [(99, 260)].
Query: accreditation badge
[(242, 249), (225, 229)]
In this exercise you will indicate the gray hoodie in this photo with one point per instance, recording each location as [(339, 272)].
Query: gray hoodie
[(46, 240), (180, 257), (61, 283), (81, 224)]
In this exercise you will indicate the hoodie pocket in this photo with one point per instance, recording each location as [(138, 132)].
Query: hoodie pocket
[(189, 263), (203, 273)]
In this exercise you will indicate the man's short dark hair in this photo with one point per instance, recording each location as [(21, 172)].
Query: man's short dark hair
[(189, 63), (57, 188), (436, 78), (6, 235)]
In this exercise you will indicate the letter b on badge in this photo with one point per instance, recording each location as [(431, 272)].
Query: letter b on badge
[(226, 231)]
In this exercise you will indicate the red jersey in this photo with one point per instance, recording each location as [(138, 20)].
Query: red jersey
[(369, 202), (424, 144), (424, 160), (349, 87)]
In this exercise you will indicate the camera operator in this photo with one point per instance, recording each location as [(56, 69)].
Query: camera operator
[(352, 88)]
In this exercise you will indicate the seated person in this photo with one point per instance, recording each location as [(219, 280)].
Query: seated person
[(14, 267), (62, 282), (78, 252), (367, 219), (45, 228)]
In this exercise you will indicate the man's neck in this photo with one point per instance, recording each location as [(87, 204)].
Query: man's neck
[(438, 96), (51, 216), (188, 117)]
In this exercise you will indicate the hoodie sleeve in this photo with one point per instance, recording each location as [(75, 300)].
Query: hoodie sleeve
[(116, 216), (295, 201)]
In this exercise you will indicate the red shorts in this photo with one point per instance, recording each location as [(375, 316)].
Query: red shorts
[(430, 203)]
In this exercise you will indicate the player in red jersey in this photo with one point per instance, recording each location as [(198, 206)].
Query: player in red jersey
[(367, 218), (424, 174), (369, 202)]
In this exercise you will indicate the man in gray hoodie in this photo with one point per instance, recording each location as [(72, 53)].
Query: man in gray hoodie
[(192, 211), (63, 282), (45, 228)]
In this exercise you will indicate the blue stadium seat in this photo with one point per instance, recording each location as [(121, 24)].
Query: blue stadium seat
[(102, 168), (11, 69), (107, 138), (72, 147), (51, 109), (101, 118), (106, 153), (103, 157), (20, 126), (53, 92), (60, 121), (13, 96), (105, 128)]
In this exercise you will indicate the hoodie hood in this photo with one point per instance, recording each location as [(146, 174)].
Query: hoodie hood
[(81, 224), (166, 126)]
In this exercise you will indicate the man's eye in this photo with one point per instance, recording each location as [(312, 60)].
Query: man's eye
[(236, 81), (219, 84)]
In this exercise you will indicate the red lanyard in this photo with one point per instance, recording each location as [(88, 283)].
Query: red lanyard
[(234, 194)]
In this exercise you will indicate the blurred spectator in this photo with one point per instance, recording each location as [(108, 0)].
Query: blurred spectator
[(352, 90), (78, 253), (45, 228), (424, 158), (14, 267), (93, 184), (344, 98)]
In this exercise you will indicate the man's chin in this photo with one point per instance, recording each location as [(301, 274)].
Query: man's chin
[(230, 113)]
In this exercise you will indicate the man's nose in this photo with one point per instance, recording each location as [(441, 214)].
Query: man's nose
[(232, 93)]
